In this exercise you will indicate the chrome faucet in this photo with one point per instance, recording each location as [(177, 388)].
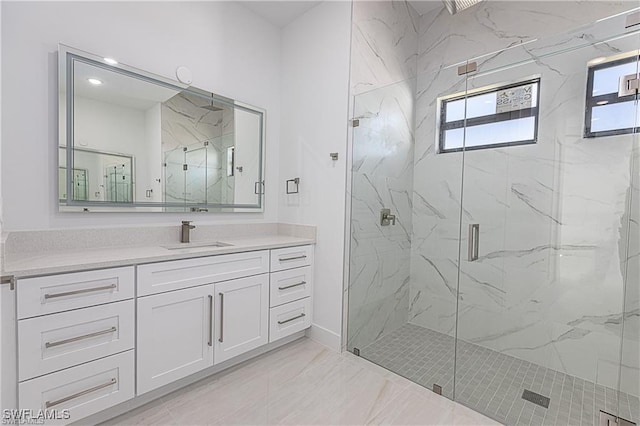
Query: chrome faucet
[(186, 228)]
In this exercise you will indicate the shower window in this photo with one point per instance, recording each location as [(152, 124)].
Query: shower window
[(608, 113), (490, 117)]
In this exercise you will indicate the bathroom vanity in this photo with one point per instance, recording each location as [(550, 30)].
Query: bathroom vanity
[(92, 337)]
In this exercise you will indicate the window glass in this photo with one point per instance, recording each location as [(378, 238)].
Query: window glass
[(498, 116)]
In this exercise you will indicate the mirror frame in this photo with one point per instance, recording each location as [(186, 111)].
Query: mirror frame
[(66, 56)]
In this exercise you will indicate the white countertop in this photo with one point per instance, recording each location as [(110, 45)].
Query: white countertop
[(78, 260)]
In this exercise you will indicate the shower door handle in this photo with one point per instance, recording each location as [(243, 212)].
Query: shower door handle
[(474, 241)]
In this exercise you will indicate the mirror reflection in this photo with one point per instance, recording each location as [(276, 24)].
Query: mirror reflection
[(139, 141)]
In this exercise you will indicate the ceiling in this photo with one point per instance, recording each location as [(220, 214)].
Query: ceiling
[(280, 13)]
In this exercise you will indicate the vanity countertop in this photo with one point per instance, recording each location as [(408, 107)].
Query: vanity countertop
[(78, 260)]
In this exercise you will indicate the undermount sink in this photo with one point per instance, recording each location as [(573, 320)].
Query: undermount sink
[(203, 245)]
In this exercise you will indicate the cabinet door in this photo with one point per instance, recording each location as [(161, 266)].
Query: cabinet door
[(242, 319), (175, 336)]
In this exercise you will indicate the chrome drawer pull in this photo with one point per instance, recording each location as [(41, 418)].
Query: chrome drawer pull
[(210, 342), (291, 319), (292, 285), (50, 404), (221, 338), (75, 339), (286, 259), (84, 290)]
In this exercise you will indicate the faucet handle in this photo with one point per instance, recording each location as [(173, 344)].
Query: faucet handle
[(186, 222)]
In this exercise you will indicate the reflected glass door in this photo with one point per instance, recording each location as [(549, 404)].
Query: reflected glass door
[(547, 145)]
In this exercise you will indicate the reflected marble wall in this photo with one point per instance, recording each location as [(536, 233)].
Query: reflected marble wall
[(548, 286), (206, 135), (384, 47)]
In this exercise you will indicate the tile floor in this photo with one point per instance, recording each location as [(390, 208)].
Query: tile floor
[(304, 383), (493, 383)]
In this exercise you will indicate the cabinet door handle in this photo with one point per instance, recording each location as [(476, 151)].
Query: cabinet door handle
[(84, 290), (221, 338), (292, 285), (474, 241), (291, 319), (210, 340), (75, 339), (286, 259), (50, 404)]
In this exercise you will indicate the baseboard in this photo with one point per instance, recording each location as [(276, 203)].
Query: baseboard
[(325, 337)]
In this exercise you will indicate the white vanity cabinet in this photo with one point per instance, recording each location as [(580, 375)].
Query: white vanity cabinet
[(175, 336), (243, 316), (94, 339)]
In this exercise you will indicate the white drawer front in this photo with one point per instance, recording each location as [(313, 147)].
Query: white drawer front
[(291, 257), (166, 276), (83, 390), (53, 342), (290, 285), (289, 319), (57, 293)]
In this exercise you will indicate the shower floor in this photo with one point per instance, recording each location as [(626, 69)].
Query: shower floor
[(492, 383)]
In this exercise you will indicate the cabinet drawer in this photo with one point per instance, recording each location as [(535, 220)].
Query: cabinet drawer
[(291, 257), (57, 293), (53, 342), (290, 318), (83, 390), (290, 285), (178, 274)]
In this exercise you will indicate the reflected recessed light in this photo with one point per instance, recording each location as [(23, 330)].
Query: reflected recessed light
[(111, 61), (602, 102), (597, 60), (94, 81)]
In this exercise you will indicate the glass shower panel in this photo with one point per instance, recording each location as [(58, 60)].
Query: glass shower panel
[(541, 285), (403, 269), (629, 406), (196, 174), (382, 176), (174, 176)]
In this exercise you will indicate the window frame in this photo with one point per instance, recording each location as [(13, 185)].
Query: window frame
[(611, 98), (443, 126)]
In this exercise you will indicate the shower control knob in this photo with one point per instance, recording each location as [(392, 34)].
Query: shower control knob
[(386, 218)]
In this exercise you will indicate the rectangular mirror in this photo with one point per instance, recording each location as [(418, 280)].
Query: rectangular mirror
[(134, 141)]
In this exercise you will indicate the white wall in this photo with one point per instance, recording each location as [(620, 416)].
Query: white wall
[(153, 141), (315, 79), (114, 128), (247, 156), (230, 50)]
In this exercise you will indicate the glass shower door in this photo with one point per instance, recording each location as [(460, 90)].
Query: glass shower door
[(547, 145)]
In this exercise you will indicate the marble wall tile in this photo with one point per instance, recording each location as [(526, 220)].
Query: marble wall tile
[(206, 135), (497, 25), (384, 44)]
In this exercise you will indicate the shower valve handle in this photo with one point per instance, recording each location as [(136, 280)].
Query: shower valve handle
[(386, 218)]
